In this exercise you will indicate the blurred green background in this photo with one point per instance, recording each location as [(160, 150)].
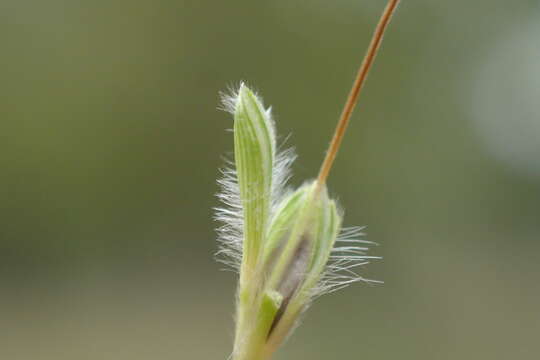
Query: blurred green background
[(111, 143)]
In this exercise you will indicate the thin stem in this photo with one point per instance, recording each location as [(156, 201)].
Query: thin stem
[(355, 92)]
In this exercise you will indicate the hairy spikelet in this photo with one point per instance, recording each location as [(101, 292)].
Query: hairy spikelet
[(230, 215), (349, 251), (287, 245)]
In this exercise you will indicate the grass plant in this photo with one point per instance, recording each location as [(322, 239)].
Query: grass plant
[(288, 246)]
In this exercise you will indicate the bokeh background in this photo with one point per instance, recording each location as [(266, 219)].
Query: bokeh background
[(111, 143)]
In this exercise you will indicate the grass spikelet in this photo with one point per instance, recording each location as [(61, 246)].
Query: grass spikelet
[(288, 246)]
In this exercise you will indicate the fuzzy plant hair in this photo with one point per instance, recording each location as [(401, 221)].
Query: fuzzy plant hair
[(287, 245)]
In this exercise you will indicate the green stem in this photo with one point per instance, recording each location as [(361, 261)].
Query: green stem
[(251, 336)]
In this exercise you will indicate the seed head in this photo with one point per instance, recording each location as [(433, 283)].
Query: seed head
[(282, 242)]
